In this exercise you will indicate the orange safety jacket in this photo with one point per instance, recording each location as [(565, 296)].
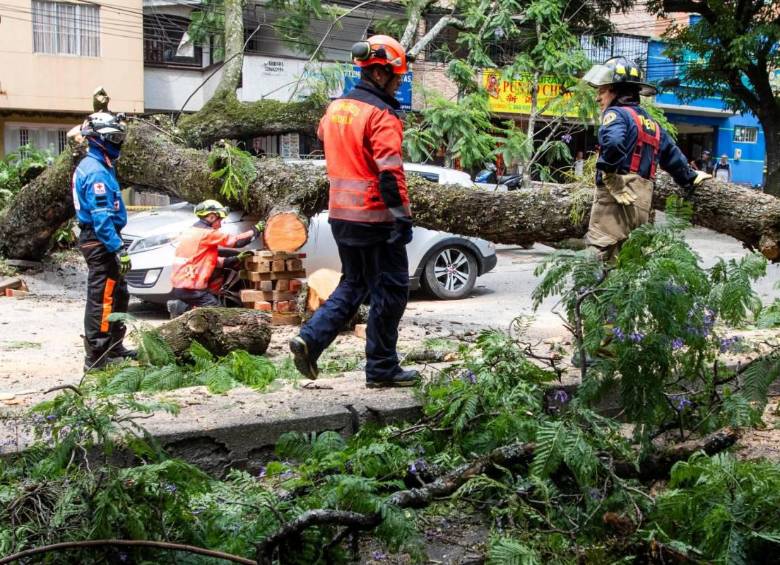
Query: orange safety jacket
[(197, 254), (362, 135)]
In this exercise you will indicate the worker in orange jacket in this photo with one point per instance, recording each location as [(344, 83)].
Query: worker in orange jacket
[(369, 216), (198, 255)]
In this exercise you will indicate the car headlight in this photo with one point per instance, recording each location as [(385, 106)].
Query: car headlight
[(151, 276), (152, 241)]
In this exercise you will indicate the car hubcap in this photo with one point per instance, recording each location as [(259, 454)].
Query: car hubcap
[(452, 269)]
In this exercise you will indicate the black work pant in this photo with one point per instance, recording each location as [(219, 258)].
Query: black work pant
[(106, 294), (193, 298), (380, 272)]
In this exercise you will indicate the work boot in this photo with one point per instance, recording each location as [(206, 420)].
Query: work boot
[(176, 308), (405, 378), (119, 352), (303, 361), (96, 363)]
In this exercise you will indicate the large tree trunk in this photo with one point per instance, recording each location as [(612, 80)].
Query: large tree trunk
[(220, 330), (543, 212)]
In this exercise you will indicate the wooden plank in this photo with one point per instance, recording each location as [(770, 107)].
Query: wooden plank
[(252, 296), (258, 265), (282, 285), (282, 256), (294, 264), (276, 296), (15, 283), (285, 319), (275, 276), (266, 286), (278, 266), (264, 306)]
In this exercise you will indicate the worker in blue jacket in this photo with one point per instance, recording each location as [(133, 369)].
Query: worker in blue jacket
[(101, 215), (631, 146)]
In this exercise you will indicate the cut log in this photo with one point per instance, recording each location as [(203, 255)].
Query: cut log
[(322, 283), (544, 212), (285, 231), (12, 283), (220, 330)]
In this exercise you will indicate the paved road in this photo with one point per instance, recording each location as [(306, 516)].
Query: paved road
[(505, 293)]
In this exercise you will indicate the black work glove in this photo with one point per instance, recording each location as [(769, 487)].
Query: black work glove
[(402, 231)]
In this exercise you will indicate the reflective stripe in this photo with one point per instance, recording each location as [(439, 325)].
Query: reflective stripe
[(179, 260), (108, 302), (389, 162), (349, 184), (361, 215)]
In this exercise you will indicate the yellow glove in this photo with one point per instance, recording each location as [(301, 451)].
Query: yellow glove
[(701, 176), (617, 187)]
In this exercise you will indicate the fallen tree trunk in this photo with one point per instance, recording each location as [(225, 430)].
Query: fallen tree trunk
[(543, 213), (225, 117), (220, 330)]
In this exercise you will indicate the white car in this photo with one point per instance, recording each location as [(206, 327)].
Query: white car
[(444, 264)]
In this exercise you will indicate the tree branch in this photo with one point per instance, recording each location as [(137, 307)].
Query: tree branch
[(125, 543), (415, 13), (432, 33)]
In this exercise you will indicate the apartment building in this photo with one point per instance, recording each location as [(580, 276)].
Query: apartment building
[(52, 57)]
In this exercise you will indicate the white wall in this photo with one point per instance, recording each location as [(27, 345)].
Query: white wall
[(167, 88)]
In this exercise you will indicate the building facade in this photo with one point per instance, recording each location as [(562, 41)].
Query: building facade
[(53, 55)]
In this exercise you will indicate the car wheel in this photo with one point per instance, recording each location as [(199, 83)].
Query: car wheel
[(450, 273)]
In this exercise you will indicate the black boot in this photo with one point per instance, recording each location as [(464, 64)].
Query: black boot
[(119, 351), (303, 361), (402, 379)]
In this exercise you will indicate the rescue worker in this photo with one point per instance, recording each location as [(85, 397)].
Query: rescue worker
[(101, 215), (631, 145), (369, 215), (201, 250)]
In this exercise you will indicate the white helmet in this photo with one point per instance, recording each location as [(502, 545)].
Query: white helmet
[(106, 127)]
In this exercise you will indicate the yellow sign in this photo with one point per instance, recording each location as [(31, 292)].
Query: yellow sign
[(514, 97)]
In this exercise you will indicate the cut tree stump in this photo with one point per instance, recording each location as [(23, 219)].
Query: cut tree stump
[(322, 283), (220, 330), (286, 231)]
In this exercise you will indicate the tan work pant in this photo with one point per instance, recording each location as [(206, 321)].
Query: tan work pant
[(610, 222)]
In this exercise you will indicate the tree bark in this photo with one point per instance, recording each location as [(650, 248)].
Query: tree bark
[(220, 330), (542, 213)]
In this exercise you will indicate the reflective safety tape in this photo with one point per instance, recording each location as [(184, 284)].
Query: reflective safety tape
[(349, 184), (108, 303), (389, 162), (347, 199), (361, 215), (401, 211)]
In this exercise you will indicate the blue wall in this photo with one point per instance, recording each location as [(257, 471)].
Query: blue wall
[(749, 169)]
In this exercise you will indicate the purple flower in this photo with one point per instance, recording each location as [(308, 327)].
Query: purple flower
[(417, 466), (595, 494), (560, 396), (51, 417), (727, 344), (680, 402), (469, 377), (636, 337), (566, 138), (672, 288), (677, 343), (618, 333), (378, 556), (170, 488)]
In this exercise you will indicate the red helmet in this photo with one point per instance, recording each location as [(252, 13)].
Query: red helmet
[(380, 50)]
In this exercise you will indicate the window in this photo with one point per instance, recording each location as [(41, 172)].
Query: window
[(162, 37), (66, 29), (745, 134), (50, 137)]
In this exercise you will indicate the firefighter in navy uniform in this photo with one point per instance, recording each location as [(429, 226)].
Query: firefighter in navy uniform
[(631, 146), (201, 252), (101, 215), (369, 216)]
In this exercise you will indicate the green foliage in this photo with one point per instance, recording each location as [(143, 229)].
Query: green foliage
[(18, 168), (506, 551), (649, 323), (235, 170), (770, 315), (727, 509), (207, 24)]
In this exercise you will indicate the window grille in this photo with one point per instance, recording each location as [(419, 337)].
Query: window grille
[(61, 28), (745, 134)]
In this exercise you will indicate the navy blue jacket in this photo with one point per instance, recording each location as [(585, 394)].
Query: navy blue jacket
[(617, 138), (98, 200)]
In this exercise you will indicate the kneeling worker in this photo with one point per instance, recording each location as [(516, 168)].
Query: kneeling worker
[(631, 145), (198, 255)]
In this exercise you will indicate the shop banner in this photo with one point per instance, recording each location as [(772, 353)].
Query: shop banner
[(514, 97)]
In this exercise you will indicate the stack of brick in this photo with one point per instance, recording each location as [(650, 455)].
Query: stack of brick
[(274, 279)]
